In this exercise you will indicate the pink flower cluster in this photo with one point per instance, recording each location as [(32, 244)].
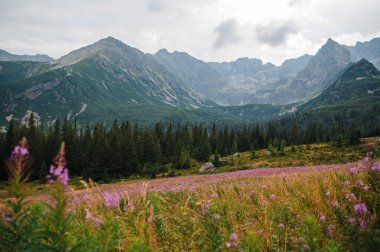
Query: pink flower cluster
[(112, 200), (20, 150), (233, 241), (96, 221), (58, 170), (58, 173)]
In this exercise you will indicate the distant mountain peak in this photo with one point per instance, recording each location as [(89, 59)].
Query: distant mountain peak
[(109, 40), (162, 51), (6, 56), (360, 69)]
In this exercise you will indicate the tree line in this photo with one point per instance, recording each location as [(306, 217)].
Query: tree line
[(125, 148)]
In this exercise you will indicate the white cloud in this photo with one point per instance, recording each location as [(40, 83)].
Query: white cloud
[(272, 30)]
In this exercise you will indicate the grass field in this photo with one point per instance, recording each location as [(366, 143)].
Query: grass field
[(311, 208)]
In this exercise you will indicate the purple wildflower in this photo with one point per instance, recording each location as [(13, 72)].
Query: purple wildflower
[(347, 183), (264, 186), (97, 221), (360, 208), (331, 229), (233, 242), (322, 217), (352, 220), (233, 237), (376, 166), (58, 173), (328, 193), (365, 188), (20, 150), (353, 170), (334, 203), (206, 207), (112, 200), (58, 170), (130, 204), (362, 225), (272, 197), (350, 197), (306, 247), (359, 182), (281, 226), (214, 196)]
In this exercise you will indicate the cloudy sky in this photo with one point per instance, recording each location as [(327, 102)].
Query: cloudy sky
[(211, 30)]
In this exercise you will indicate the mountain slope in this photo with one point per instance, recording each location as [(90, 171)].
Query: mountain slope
[(369, 50), (6, 56), (102, 81), (357, 87), (195, 73), (229, 83), (321, 70)]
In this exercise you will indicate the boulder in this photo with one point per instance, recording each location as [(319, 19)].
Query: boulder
[(235, 155), (206, 167)]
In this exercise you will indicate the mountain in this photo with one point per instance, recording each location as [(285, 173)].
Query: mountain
[(369, 50), (320, 72), (239, 82), (99, 82), (358, 87), (6, 56), (196, 74), (250, 81)]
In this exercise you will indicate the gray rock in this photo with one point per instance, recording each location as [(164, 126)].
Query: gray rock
[(237, 154), (207, 167)]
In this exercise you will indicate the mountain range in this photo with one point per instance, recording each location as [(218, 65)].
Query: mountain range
[(6, 56), (109, 79), (249, 81)]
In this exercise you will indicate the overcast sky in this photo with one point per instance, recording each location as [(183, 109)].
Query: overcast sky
[(211, 30)]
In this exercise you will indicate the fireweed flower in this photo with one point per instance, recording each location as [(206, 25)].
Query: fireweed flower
[(362, 225), (352, 221), (58, 171), (359, 182), (334, 203), (376, 166), (112, 200), (18, 162), (360, 208), (97, 221), (350, 197), (214, 196), (233, 242), (331, 230), (20, 150)]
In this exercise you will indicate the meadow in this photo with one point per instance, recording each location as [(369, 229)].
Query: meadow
[(311, 208)]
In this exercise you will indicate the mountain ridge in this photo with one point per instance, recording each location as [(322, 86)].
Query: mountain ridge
[(6, 56)]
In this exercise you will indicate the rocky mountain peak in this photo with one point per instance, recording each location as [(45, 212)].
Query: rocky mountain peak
[(360, 70)]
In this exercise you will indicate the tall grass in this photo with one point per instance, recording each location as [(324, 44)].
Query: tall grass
[(321, 210)]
